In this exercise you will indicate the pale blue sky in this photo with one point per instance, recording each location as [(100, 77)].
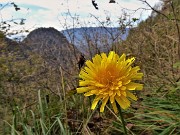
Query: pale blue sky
[(46, 13)]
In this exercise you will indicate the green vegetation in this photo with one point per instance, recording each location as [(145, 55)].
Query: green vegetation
[(34, 99)]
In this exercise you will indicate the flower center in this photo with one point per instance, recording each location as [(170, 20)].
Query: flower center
[(115, 85)]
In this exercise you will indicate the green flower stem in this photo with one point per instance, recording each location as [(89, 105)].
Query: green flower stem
[(122, 118)]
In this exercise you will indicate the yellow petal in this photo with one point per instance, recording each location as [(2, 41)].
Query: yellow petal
[(129, 94), (135, 69), (123, 93), (99, 85), (115, 58), (86, 76), (122, 58), (90, 72), (101, 91), (82, 89), (134, 86), (126, 81), (88, 94), (110, 56), (111, 92), (139, 87), (112, 98), (130, 61), (104, 101), (97, 60), (90, 64), (123, 104), (85, 83), (104, 56), (118, 93), (119, 83), (104, 61), (114, 107), (125, 100), (96, 91), (123, 88), (137, 76), (95, 101)]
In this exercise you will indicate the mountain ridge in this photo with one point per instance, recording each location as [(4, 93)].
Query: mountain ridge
[(101, 38), (80, 37)]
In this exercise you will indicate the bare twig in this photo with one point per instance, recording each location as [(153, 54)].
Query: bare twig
[(158, 11), (177, 26)]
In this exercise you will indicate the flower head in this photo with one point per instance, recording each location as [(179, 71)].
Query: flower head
[(110, 78)]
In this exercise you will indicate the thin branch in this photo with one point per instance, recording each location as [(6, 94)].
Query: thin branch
[(144, 1), (177, 28)]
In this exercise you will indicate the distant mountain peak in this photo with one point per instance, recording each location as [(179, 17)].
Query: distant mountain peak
[(53, 46), (46, 33)]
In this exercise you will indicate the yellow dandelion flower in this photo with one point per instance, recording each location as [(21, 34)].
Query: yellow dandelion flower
[(110, 78)]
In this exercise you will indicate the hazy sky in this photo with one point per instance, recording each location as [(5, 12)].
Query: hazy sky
[(62, 13)]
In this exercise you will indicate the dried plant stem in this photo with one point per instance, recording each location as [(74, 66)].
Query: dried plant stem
[(177, 26), (64, 97)]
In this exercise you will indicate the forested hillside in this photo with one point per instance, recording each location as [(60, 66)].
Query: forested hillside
[(155, 43)]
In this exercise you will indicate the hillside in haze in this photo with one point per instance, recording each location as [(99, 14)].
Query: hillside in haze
[(96, 38), (100, 38)]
